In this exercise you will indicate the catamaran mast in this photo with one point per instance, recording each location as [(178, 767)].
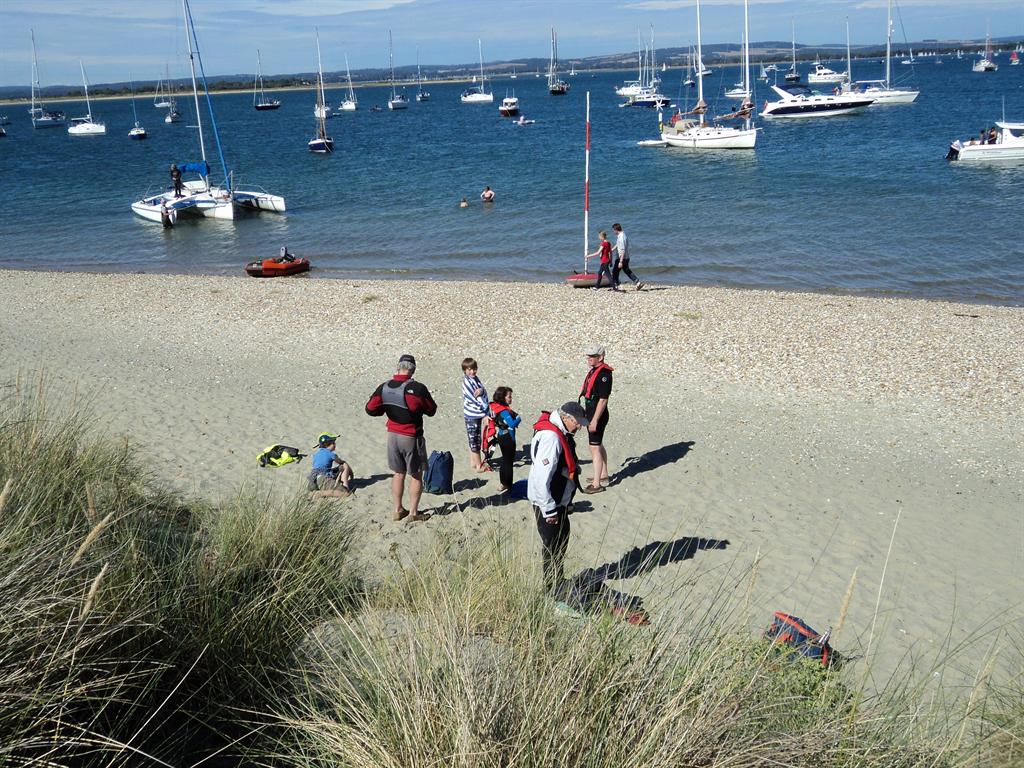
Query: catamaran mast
[(195, 86), (192, 56)]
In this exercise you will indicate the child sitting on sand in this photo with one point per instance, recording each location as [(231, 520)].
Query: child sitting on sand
[(330, 476)]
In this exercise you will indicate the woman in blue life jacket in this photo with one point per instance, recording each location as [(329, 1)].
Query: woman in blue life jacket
[(505, 422)]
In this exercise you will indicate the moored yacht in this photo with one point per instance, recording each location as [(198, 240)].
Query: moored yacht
[(42, 117), (350, 104), (880, 90), (1006, 144), (397, 100), (321, 143), (478, 94), (822, 74), (797, 100), (987, 62), (86, 126), (556, 86), (509, 106)]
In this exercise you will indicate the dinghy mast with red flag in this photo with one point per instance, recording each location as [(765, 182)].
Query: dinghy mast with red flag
[(586, 278)]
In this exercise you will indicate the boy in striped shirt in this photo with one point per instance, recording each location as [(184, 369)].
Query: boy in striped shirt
[(474, 410)]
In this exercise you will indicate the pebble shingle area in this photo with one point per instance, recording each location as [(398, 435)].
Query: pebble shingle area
[(960, 356)]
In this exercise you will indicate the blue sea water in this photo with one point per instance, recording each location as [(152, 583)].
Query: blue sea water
[(861, 203)]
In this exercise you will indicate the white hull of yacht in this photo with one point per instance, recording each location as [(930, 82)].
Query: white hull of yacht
[(349, 106), (400, 103), (710, 137), (884, 96), (84, 127), (477, 98)]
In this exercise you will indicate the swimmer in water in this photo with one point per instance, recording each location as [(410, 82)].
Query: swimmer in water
[(487, 195), (464, 203)]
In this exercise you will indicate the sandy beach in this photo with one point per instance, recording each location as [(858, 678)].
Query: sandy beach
[(791, 430)]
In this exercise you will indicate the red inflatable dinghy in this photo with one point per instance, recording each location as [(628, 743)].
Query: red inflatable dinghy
[(283, 266)]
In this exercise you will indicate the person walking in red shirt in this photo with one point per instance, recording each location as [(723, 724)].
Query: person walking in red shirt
[(405, 402), (605, 251)]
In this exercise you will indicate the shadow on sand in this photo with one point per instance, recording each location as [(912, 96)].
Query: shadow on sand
[(659, 457)]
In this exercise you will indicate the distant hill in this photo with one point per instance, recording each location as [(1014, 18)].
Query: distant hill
[(716, 53)]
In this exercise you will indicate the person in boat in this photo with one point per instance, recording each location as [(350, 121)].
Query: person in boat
[(992, 135), (330, 476), (552, 484), (621, 249), (176, 179), (464, 203), (604, 250), (487, 195), (597, 388), (504, 422), (285, 257), (405, 402), (474, 412)]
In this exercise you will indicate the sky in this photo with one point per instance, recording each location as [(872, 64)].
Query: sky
[(118, 38)]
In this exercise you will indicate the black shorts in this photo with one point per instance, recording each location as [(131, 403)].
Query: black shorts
[(597, 436)]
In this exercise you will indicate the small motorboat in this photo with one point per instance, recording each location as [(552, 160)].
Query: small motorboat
[(284, 265)]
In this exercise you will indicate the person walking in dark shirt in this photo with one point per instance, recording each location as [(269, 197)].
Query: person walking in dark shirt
[(405, 402)]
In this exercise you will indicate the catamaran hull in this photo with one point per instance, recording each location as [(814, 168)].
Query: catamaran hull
[(711, 138)]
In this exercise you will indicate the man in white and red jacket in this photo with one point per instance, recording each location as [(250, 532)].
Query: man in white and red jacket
[(552, 484)]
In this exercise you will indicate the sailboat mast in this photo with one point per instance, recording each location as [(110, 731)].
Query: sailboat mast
[(85, 85), (746, 53), (480, 48), (888, 47), (348, 76), (35, 74), (195, 86), (849, 59), (391, 60), (654, 64), (586, 192), (700, 70), (792, 25), (321, 99)]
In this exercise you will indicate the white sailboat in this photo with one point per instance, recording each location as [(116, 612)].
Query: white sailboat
[(513, 76), (881, 90), (199, 196), (421, 95), (646, 93), (173, 115), (632, 87), (698, 134), (42, 117), (259, 98), (556, 86), (477, 94), (137, 133), (792, 76), (350, 104), (86, 126), (321, 143), (986, 63), (397, 100)]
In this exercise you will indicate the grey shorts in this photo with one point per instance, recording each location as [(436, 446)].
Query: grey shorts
[(406, 454)]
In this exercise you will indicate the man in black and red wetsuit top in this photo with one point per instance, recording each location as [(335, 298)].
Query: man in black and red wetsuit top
[(405, 402)]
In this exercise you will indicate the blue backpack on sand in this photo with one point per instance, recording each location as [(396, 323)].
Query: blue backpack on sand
[(439, 474)]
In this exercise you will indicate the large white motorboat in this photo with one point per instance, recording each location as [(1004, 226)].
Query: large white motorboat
[(691, 130), (397, 100), (1007, 144), (478, 94), (260, 102), (509, 106), (321, 143), (86, 126), (556, 86), (200, 197), (822, 74), (796, 100), (42, 117), (880, 90), (351, 103)]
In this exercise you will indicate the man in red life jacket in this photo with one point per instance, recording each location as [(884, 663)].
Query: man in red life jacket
[(405, 402), (553, 482), (597, 388)]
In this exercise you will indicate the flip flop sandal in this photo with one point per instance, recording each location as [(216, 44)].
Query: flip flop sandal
[(593, 489), (397, 516)]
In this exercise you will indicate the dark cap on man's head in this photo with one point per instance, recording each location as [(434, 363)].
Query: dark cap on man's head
[(576, 411), (407, 360)]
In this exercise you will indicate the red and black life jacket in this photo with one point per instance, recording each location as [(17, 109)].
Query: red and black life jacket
[(568, 445), (490, 434), (588, 383)]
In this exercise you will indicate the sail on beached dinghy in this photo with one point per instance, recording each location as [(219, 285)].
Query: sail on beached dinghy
[(200, 196), (586, 278)]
